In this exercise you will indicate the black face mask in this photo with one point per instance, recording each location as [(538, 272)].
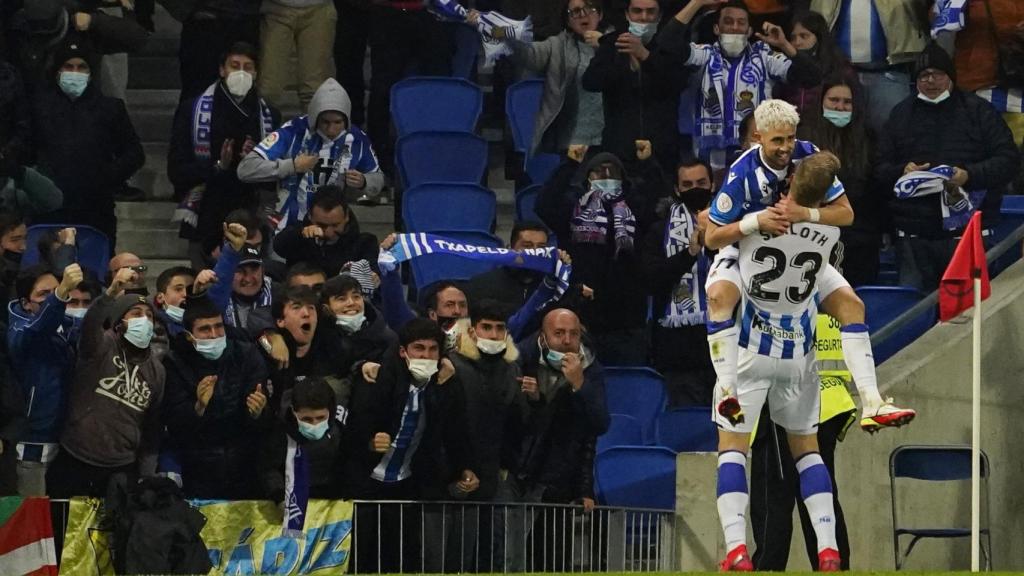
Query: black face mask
[(12, 257), (446, 322), (812, 52), (695, 199)]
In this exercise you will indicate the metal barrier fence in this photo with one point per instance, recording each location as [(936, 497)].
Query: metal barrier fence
[(1013, 240), (450, 537)]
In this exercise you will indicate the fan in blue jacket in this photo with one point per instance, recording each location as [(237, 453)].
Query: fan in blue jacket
[(41, 339)]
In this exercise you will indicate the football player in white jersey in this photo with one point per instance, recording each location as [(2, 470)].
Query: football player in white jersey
[(780, 276), (752, 200)]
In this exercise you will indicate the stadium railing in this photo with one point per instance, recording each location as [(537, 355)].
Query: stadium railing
[(530, 537), (1011, 241)]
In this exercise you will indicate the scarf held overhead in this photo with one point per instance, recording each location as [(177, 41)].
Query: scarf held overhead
[(487, 22), (409, 246)]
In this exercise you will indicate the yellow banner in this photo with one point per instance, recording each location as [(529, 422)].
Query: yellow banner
[(242, 538)]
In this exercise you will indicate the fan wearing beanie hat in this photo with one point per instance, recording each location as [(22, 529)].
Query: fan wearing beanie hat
[(935, 73), (74, 68)]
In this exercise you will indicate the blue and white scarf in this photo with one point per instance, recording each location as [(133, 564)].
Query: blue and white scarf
[(263, 299), (202, 133), (718, 115), (956, 203), (950, 16), (688, 303), (296, 490), (520, 30), (409, 246)]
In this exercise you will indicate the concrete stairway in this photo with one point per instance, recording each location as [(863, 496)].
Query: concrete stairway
[(145, 228)]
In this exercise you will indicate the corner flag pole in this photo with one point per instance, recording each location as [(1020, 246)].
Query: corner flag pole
[(976, 426)]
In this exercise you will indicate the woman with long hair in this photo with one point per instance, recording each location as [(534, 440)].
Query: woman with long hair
[(838, 124), (810, 34)]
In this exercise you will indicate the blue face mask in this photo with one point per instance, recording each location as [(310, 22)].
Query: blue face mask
[(838, 118), (212, 348), (175, 313), (643, 30), (313, 431), (73, 83), (139, 332), (554, 358), (608, 189)]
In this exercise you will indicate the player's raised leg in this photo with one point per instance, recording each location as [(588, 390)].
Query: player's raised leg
[(845, 306), (723, 294)]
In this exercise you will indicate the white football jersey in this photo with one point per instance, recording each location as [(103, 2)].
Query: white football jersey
[(779, 283)]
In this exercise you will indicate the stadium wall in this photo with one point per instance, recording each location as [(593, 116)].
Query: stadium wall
[(933, 375)]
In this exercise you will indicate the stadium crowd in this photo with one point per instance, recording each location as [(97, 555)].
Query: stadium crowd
[(287, 329)]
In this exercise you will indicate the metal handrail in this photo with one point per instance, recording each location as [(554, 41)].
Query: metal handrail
[(929, 301)]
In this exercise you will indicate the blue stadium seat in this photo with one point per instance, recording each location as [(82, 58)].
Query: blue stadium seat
[(93, 247), (540, 167), (436, 267), (444, 206), (526, 199), (936, 464), (1011, 217), (441, 157), (623, 430), (883, 304), (687, 429), (430, 103), (522, 102), (637, 477), (638, 392)]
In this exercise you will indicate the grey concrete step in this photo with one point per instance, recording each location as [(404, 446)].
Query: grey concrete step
[(152, 242), (139, 211)]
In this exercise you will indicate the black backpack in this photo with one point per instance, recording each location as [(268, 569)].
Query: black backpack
[(154, 529)]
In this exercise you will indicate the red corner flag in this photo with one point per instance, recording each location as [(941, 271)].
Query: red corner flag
[(956, 290)]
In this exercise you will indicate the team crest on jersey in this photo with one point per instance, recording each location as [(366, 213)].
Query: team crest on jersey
[(270, 140), (723, 203)]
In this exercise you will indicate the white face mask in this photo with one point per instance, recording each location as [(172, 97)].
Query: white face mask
[(239, 83), (490, 346), (936, 100), (75, 312), (733, 44), (350, 322), (422, 369)]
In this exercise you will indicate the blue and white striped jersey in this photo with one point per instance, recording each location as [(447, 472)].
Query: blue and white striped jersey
[(779, 283), (859, 33), (752, 185)]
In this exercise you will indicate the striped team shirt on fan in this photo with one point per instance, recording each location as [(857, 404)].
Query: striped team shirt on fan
[(779, 284), (752, 185)]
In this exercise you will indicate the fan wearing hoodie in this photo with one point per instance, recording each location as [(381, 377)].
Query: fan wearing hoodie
[(113, 420), (315, 150)]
